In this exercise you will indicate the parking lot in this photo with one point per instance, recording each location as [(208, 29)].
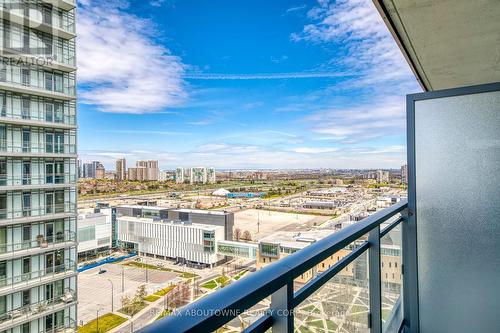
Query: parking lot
[(94, 289), (271, 221)]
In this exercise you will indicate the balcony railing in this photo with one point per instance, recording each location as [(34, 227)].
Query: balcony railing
[(68, 296), (69, 325), (6, 214), (40, 85), (52, 179), (38, 276), (35, 115), (37, 13), (29, 148), (41, 242), (277, 282)]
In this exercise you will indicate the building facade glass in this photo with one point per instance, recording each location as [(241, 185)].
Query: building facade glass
[(37, 166)]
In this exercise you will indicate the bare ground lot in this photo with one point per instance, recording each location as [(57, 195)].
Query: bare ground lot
[(94, 289), (271, 221)]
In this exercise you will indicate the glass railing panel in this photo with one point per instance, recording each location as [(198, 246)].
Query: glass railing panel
[(6, 180), (30, 277), (341, 305), (390, 272), (45, 210), (36, 116), (68, 296), (41, 241), (48, 148)]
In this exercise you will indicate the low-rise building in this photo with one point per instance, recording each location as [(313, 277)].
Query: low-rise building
[(283, 243), (210, 217), (142, 211), (95, 235), (182, 241)]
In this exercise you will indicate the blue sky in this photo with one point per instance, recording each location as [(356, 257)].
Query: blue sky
[(240, 84)]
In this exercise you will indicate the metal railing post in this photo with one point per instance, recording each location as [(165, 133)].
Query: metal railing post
[(410, 270), (375, 318), (281, 309)]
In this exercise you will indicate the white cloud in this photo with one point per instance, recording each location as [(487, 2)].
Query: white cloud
[(120, 65), (146, 132), (314, 150), (296, 8), (356, 28), (157, 3), (227, 156), (360, 123), (265, 76)]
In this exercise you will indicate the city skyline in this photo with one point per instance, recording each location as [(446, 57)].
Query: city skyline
[(294, 91)]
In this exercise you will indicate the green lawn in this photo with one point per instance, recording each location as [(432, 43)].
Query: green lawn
[(222, 279), (151, 298), (164, 291), (106, 323), (240, 275), (185, 275), (311, 308), (134, 309), (210, 284)]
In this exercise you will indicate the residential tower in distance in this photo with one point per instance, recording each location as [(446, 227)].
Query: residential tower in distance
[(121, 169), (197, 175)]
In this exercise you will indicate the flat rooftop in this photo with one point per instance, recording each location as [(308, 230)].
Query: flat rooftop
[(143, 207), (199, 211), (296, 239), (185, 224)]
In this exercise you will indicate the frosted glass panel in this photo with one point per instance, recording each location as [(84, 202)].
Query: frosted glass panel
[(457, 145)]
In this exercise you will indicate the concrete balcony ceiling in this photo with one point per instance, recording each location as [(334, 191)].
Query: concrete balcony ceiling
[(448, 43)]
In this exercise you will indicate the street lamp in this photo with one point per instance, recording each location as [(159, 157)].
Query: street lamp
[(112, 296), (258, 221), (97, 318)]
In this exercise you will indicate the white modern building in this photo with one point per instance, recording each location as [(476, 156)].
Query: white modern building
[(211, 178), (94, 233), (163, 175), (37, 166), (404, 174), (179, 175), (182, 241), (196, 175)]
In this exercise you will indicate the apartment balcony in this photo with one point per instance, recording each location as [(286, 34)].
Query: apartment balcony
[(51, 24), (66, 92), (10, 216), (28, 118), (12, 284), (39, 245), (69, 326), (11, 183), (33, 311), (63, 4), (26, 149), (63, 63)]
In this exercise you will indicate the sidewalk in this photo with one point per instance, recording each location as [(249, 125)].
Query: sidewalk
[(144, 317)]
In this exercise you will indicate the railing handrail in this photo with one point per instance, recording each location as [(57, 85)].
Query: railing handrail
[(245, 293), (68, 265), (68, 236), (27, 309)]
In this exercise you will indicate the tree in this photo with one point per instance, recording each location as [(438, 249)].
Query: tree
[(140, 294), (237, 234), (246, 236), (126, 304)]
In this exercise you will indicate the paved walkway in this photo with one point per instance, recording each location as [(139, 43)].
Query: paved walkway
[(141, 319)]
